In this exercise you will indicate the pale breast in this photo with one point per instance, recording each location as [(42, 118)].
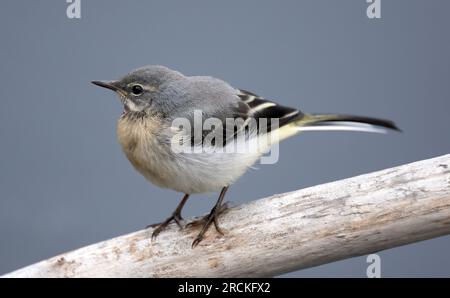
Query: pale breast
[(138, 138)]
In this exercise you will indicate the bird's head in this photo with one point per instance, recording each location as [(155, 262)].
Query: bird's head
[(140, 90)]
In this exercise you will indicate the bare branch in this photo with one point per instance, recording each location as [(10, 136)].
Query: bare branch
[(282, 233)]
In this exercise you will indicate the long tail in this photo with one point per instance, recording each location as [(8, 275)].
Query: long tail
[(344, 122)]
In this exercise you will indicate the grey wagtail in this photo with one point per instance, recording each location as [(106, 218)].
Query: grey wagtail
[(156, 97)]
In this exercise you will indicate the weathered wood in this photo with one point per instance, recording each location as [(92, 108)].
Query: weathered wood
[(282, 233)]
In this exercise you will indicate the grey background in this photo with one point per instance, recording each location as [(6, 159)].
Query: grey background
[(64, 182)]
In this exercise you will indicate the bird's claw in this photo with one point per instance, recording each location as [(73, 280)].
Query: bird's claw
[(162, 226), (207, 221), (202, 220), (197, 240)]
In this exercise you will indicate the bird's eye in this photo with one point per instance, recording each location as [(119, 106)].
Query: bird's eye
[(137, 89)]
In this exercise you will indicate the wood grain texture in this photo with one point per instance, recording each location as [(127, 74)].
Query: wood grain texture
[(282, 233)]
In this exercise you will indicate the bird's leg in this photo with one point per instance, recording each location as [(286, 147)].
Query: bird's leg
[(176, 216), (212, 217)]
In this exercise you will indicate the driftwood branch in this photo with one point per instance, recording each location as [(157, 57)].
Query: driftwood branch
[(282, 233)]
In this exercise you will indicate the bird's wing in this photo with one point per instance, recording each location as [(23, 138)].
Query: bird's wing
[(259, 116), (260, 108), (256, 113)]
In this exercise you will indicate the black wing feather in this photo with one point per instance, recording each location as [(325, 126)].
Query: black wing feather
[(284, 114)]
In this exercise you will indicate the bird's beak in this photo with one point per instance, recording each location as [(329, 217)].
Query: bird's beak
[(107, 84)]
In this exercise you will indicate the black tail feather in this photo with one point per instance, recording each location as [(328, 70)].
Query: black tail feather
[(322, 119)]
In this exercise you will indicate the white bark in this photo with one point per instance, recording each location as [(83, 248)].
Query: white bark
[(282, 233)]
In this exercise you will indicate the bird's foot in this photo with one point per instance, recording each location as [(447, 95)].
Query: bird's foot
[(202, 220), (207, 220), (162, 226)]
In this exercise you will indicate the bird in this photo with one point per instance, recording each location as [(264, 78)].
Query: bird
[(156, 99)]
